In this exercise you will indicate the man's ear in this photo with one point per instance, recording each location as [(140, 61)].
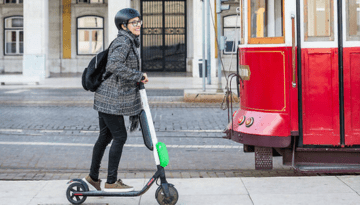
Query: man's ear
[(123, 26)]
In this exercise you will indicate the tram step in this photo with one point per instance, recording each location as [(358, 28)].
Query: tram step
[(326, 168), (347, 149)]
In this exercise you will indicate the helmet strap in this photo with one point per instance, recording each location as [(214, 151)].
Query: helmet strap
[(126, 28)]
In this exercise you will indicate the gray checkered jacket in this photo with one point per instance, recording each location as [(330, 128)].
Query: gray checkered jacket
[(118, 94)]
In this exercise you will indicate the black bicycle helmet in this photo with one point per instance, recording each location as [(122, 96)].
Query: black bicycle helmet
[(124, 15)]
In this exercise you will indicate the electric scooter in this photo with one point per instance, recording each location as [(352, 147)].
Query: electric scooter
[(166, 193)]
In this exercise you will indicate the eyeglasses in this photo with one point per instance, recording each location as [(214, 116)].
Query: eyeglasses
[(136, 23)]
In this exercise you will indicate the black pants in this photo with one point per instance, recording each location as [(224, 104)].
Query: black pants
[(112, 127)]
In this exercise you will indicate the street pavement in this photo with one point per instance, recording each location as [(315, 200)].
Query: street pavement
[(42, 129), (315, 190), (47, 132)]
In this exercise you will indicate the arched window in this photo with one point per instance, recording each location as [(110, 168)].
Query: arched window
[(14, 35), (90, 35), (231, 29)]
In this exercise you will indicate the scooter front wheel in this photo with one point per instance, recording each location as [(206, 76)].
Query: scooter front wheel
[(75, 187), (171, 200)]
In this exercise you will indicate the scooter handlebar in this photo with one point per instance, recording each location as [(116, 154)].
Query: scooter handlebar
[(140, 85)]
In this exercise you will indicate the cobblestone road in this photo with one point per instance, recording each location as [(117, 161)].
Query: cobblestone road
[(49, 134)]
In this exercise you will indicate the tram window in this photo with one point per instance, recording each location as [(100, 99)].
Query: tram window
[(266, 21), (231, 30), (318, 20), (353, 20)]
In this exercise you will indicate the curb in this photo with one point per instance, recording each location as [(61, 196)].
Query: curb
[(207, 97)]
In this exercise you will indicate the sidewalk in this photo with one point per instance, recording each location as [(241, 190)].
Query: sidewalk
[(155, 82), (319, 190), (193, 87)]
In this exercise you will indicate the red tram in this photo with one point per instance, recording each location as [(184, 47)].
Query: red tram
[(299, 63)]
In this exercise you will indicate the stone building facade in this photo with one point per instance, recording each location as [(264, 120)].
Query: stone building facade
[(46, 37)]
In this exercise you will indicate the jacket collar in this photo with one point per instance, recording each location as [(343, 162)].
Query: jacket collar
[(132, 37), (135, 42)]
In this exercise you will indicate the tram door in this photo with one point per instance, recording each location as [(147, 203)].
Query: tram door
[(351, 27), (320, 74)]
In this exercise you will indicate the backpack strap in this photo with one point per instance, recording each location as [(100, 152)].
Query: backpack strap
[(108, 74)]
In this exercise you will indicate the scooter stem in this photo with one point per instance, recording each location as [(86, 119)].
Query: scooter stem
[(145, 104)]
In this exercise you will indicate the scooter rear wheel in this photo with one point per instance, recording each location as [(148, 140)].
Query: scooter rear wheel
[(171, 200), (75, 187)]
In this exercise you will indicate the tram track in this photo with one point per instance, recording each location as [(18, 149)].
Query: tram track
[(91, 133)]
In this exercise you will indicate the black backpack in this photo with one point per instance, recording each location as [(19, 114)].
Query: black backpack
[(92, 76)]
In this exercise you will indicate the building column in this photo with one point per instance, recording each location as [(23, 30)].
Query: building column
[(196, 41), (195, 36), (36, 38), (113, 7)]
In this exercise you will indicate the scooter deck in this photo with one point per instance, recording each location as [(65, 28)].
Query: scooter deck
[(104, 193)]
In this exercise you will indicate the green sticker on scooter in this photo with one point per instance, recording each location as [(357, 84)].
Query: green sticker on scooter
[(163, 154)]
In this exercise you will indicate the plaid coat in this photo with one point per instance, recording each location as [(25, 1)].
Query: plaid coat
[(118, 94)]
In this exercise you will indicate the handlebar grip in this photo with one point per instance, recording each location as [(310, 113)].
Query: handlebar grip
[(140, 85)]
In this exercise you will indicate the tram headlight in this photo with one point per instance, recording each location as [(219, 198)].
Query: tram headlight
[(249, 122), (241, 120)]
